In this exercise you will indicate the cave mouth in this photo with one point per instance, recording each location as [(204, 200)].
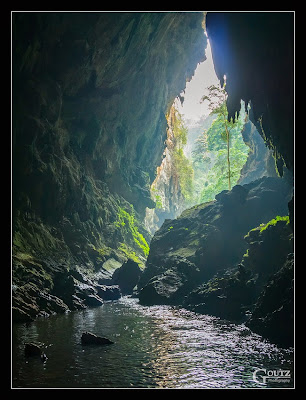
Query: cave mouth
[(195, 167)]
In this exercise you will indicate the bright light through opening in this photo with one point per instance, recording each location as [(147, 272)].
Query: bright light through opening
[(204, 76)]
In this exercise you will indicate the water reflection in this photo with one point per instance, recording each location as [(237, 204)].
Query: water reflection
[(155, 346)]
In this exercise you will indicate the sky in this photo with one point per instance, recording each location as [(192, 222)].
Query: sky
[(204, 76)]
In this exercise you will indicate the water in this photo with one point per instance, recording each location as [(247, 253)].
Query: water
[(155, 347)]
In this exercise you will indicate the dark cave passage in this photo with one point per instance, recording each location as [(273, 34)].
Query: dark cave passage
[(115, 193)]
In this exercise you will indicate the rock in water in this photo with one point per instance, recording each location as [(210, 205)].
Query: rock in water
[(127, 276), (91, 338), (34, 350)]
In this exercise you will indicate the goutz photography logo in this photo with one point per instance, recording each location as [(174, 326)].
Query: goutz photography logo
[(263, 375)]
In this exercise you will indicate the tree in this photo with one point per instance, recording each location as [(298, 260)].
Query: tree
[(217, 105)]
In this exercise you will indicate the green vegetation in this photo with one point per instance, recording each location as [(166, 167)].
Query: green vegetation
[(184, 174), (212, 162), (262, 227), (212, 170), (104, 252), (182, 170), (217, 104), (129, 253), (128, 223), (157, 198), (273, 222), (158, 201)]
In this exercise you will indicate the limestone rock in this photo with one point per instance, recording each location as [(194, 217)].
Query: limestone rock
[(210, 236), (90, 127), (127, 276), (90, 338), (273, 315), (108, 292), (172, 285)]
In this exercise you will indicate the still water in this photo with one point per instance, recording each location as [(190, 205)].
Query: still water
[(155, 347)]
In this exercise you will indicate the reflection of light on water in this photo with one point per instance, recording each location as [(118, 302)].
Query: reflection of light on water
[(203, 351), (157, 346)]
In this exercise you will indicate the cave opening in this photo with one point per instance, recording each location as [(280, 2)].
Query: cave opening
[(95, 114), (195, 166)]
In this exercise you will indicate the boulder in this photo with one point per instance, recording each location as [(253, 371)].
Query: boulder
[(111, 292), (93, 301), (91, 338), (127, 276), (34, 350), (260, 291), (28, 302), (171, 286)]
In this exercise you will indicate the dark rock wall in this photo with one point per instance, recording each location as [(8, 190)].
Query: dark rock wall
[(94, 88), (90, 95), (209, 237), (255, 52), (260, 160)]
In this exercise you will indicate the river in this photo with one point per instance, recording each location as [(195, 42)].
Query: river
[(154, 347)]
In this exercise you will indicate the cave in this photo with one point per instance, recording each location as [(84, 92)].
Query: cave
[(92, 104)]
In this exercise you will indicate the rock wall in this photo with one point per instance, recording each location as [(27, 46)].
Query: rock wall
[(255, 51), (208, 238), (90, 95), (260, 160)]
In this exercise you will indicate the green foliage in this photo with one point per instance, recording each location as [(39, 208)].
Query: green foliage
[(210, 158), (128, 223), (262, 227), (182, 169), (129, 253), (179, 130), (222, 126), (157, 198), (103, 252), (158, 201), (273, 222)]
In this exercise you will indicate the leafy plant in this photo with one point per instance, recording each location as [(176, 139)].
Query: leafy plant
[(217, 104), (210, 158)]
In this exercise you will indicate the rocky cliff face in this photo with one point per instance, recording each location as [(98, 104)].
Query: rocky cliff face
[(260, 160), (210, 237), (90, 95)]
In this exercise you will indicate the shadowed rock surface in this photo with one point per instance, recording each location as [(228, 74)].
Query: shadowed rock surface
[(90, 91), (210, 237)]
